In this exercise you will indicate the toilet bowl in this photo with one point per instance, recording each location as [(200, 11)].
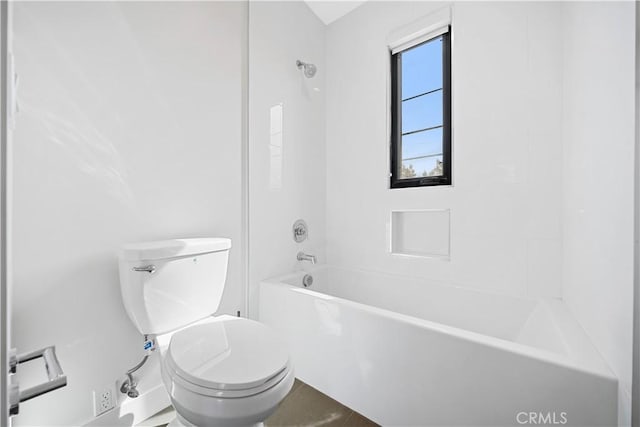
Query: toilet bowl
[(217, 370), (225, 371)]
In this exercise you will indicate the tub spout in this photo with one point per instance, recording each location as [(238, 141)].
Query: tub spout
[(305, 257)]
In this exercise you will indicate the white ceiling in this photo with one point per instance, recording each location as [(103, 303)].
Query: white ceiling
[(331, 10)]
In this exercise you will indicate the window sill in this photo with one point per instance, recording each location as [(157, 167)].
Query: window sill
[(420, 182)]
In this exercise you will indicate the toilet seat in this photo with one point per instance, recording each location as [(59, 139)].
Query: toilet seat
[(234, 357)]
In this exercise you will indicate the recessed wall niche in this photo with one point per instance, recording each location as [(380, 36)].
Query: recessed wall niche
[(421, 233)]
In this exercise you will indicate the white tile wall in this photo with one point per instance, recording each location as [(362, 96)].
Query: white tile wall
[(281, 33), (505, 201), (422, 233), (129, 130), (598, 178), (543, 156)]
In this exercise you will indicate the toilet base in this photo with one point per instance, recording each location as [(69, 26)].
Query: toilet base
[(178, 421), (196, 410)]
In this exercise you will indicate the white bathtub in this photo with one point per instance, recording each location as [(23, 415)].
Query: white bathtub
[(405, 352)]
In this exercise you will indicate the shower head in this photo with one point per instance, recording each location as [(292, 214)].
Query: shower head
[(308, 69)]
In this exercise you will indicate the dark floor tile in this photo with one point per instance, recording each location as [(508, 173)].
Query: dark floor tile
[(357, 420), (309, 408), (296, 383), (305, 406)]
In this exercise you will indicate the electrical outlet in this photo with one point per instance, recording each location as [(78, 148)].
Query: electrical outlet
[(103, 401)]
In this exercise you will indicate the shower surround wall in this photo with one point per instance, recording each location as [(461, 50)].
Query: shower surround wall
[(506, 196), (129, 129), (598, 179), (521, 157), (280, 33), (525, 219)]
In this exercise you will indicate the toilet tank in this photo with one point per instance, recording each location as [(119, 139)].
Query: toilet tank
[(169, 284)]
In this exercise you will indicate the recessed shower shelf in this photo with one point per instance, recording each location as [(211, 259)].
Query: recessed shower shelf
[(421, 233)]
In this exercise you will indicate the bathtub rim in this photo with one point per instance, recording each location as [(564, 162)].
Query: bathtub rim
[(592, 363)]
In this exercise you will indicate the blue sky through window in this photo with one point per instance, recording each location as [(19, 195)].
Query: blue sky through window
[(418, 144), (422, 68), (422, 112), (422, 108)]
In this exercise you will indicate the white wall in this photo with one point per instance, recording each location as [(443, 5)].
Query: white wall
[(542, 201), (129, 130), (635, 392), (506, 199), (280, 33), (5, 138), (531, 190), (598, 178)]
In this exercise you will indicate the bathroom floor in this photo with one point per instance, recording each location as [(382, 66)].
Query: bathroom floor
[(303, 406), (306, 406)]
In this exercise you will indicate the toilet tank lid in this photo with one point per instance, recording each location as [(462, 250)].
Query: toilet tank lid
[(163, 249)]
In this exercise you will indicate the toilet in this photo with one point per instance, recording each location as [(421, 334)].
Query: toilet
[(218, 370)]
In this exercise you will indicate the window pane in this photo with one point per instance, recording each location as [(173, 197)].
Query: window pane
[(422, 112), (420, 122), (430, 166), (422, 68), (426, 143)]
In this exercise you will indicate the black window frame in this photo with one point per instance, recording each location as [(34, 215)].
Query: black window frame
[(396, 119)]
